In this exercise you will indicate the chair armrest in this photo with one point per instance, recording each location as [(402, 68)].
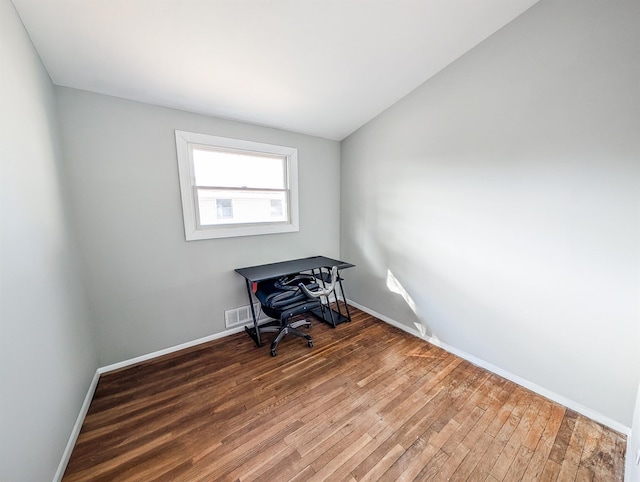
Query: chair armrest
[(322, 292)]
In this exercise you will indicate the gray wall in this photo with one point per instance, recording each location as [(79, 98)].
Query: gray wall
[(149, 288), (47, 356), (504, 196)]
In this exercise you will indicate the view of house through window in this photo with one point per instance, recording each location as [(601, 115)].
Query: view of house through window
[(224, 209)]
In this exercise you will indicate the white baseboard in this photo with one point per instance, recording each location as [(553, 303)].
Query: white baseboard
[(66, 455), (171, 349), (571, 404), (630, 460)]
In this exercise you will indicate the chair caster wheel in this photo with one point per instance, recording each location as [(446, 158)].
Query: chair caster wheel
[(310, 343), (273, 352)]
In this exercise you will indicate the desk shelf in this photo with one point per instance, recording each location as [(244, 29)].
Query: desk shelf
[(324, 315)]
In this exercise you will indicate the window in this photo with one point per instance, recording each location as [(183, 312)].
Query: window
[(233, 187)]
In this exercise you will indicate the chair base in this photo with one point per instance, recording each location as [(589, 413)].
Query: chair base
[(289, 328)]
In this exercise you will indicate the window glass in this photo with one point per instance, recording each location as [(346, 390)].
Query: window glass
[(234, 169), (233, 187)]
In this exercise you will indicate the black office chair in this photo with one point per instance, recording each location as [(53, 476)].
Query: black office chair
[(286, 297), (282, 299)]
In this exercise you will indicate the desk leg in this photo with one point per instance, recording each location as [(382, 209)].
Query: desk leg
[(344, 299), (254, 332), (325, 304)]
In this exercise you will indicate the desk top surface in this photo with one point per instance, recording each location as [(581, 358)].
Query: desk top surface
[(283, 268)]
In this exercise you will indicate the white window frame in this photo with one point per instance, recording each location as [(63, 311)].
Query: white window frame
[(184, 142)]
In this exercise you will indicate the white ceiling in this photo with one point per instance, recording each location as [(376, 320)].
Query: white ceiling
[(319, 67)]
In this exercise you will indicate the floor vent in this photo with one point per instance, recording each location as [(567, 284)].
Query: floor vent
[(242, 316)]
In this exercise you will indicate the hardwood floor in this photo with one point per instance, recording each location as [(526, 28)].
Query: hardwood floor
[(367, 402)]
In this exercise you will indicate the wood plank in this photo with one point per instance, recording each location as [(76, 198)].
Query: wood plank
[(545, 443), (326, 465), (476, 453), (512, 448), (571, 460), (382, 465), (564, 436), (550, 471), (432, 468)]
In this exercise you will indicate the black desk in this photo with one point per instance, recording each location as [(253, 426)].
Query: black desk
[(315, 266)]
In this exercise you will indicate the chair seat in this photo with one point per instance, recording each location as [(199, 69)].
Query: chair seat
[(293, 309)]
